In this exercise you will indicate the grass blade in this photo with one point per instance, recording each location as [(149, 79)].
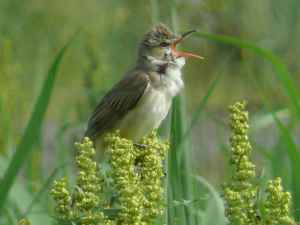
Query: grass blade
[(5, 128), (199, 109), (283, 75), (294, 157), (285, 145), (178, 184), (214, 212), (176, 165), (179, 167), (32, 129)]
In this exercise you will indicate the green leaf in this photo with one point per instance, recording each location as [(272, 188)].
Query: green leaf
[(283, 75), (32, 130), (199, 110), (214, 211), (294, 157), (178, 186), (179, 166)]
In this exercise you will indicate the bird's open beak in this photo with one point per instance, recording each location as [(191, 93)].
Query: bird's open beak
[(177, 53)]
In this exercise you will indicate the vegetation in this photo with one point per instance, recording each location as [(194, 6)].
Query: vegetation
[(134, 181), (244, 204), (251, 52), (131, 190)]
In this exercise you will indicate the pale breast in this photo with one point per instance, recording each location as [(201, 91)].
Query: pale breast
[(147, 115), (154, 105)]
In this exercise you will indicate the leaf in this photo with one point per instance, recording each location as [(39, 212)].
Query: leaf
[(199, 110), (32, 130), (294, 157), (283, 75), (214, 212)]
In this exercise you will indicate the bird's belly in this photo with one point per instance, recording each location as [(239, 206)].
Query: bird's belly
[(146, 116)]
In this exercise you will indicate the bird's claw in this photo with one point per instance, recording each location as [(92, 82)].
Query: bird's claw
[(140, 146)]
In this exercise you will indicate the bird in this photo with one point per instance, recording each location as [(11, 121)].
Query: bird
[(141, 100)]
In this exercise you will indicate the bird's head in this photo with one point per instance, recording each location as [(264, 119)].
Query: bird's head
[(158, 47)]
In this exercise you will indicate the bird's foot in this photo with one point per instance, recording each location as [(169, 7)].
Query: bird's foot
[(140, 146)]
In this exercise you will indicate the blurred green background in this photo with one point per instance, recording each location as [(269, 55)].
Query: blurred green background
[(32, 32)]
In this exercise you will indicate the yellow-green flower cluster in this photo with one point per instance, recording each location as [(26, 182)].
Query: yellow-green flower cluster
[(277, 204), (130, 197), (24, 222), (133, 179), (62, 198), (240, 193), (152, 172), (89, 185), (80, 207), (137, 173), (88, 190)]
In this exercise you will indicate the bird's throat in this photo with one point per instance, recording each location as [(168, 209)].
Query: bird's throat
[(162, 69)]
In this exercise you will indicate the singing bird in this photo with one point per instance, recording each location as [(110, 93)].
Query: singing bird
[(140, 101)]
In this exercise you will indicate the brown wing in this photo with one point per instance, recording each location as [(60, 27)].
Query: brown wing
[(116, 103)]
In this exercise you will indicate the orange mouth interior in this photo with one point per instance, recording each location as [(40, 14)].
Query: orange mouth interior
[(178, 54)]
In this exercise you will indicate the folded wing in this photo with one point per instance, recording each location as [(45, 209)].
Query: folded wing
[(123, 97)]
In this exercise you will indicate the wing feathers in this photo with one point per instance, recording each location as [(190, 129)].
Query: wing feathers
[(116, 103)]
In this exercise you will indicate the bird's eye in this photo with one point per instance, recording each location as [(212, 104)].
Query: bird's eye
[(164, 44)]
